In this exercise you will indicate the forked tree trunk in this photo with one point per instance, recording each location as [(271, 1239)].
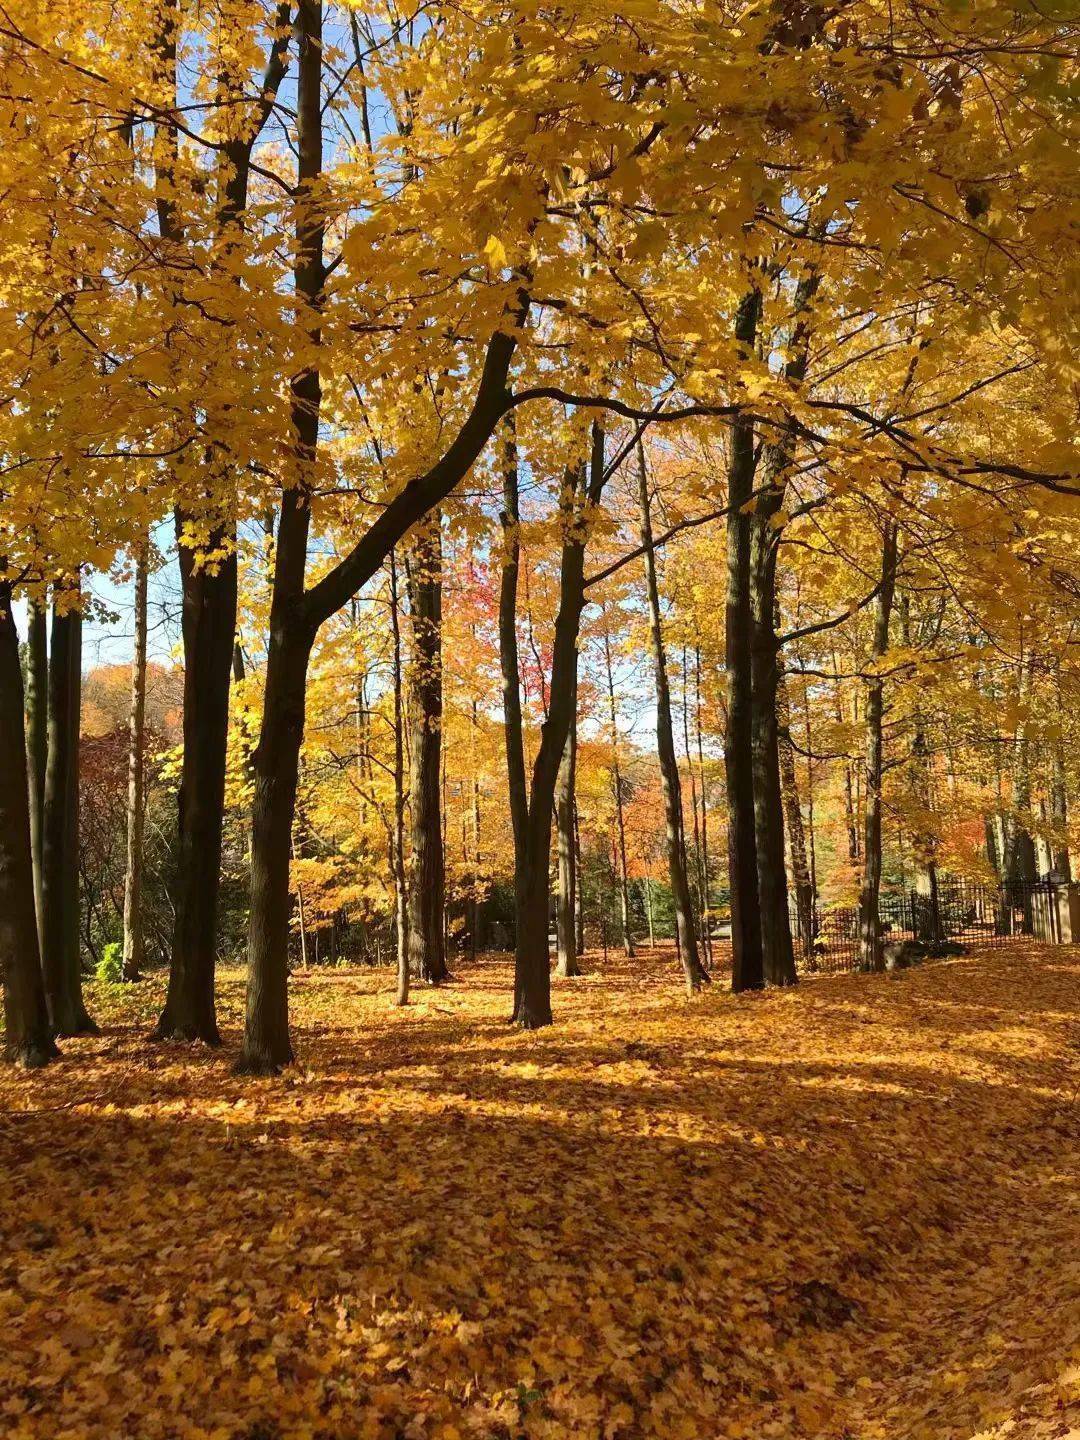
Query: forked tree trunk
[(60, 848), (29, 1040), (778, 955), (37, 739), (693, 972), (870, 939), (747, 966), (427, 951), (209, 626), (532, 972), (566, 906), (134, 954)]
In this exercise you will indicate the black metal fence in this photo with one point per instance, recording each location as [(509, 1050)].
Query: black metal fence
[(966, 912)]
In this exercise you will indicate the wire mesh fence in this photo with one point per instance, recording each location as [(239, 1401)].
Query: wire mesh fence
[(963, 911)]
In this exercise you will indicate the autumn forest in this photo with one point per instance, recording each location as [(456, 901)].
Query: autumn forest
[(539, 735)]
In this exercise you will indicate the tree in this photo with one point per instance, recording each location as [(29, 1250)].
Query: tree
[(134, 946), (29, 1036), (60, 958), (870, 939), (747, 966), (37, 740), (568, 894), (427, 888), (693, 971)]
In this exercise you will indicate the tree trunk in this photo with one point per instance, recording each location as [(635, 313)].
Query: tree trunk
[(693, 972), (927, 921), (620, 818), (532, 973), (267, 1046), (850, 815), (777, 952), (60, 840), (747, 963), (29, 1041), (706, 870), (566, 907), (277, 756), (427, 952), (579, 889), (397, 846), (800, 869), (528, 971), (134, 954), (477, 854), (37, 740), (699, 853), (209, 626), (778, 956), (1059, 803), (870, 940)]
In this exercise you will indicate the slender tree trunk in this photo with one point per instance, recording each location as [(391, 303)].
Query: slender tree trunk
[(37, 740), (870, 939), (777, 952), (747, 963), (706, 871), (29, 1041), (1021, 865), (134, 954), (850, 814), (927, 920), (1059, 804), (620, 818), (427, 952), (513, 729), (649, 910), (579, 888), (699, 854), (566, 907), (693, 971), (60, 842), (477, 855), (800, 870), (397, 849)]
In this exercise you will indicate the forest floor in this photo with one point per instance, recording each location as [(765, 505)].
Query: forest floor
[(848, 1211)]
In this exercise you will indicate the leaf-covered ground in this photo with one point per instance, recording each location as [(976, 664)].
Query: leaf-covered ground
[(850, 1211)]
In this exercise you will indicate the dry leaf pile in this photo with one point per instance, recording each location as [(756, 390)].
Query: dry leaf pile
[(847, 1212)]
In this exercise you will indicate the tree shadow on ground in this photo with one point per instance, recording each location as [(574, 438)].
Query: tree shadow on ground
[(805, 1215)]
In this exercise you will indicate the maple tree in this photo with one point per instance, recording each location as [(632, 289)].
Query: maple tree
[(609, 476)]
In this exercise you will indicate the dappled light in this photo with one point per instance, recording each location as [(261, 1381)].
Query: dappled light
[(845, 1211)]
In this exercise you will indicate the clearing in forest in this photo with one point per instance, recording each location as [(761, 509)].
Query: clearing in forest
[(847, 1211)]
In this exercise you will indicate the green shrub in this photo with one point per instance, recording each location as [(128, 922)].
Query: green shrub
[(110, 966)]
